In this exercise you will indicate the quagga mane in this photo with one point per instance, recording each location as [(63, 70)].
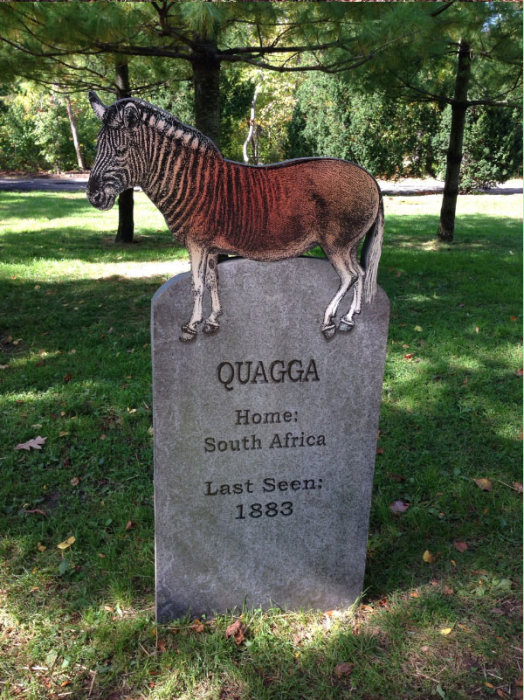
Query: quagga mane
[(214, 205)]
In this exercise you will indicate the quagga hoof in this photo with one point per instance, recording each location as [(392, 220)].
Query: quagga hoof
[(329, 331), (210, 328), (346, 326), (188, 334)]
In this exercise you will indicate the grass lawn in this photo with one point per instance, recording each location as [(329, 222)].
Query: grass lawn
[(441, 612)]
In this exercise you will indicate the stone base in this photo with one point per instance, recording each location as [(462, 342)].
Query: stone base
[(265, 439)]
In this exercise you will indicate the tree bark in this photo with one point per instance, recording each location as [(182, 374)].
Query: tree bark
[(459, 107), (206, 84), (74, 133), (126, 225)]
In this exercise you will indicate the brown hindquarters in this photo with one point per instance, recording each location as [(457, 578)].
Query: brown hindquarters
[(280, 211)]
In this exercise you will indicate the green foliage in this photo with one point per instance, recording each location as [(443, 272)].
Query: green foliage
[(397, 138), (236, 92), (35, 133), (492, 150), (177, 99), (389, 138)]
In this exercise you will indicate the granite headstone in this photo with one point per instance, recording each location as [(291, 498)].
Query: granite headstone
[(264, 439)]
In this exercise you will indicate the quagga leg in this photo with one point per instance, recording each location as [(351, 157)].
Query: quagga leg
[(198, 257), (212, 325), (347, 322), (347, 277)]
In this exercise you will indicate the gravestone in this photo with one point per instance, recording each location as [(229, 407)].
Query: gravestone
[(265, 440)]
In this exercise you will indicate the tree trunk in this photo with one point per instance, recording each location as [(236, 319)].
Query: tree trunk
[(456, 138), (74, 133), (126, 224), (252, 133), (206, 84)]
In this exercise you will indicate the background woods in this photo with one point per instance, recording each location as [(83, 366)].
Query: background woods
[(402, 88)]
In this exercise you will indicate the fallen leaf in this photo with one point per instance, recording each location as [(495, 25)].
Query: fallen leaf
[(513, 318), (447, 590), (380, 450), (484, 484), (517, 487), (236, 630), (197, 626), (399, 506), (75, 481), (446, 630), (67, 543), (409, 356), (35, 444), (460, 546), (41, 547), (343, 669), (428, 557), (130, 524), (68, 377), (37, 511)]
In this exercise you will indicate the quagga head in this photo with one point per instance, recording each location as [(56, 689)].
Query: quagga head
[(119, 162)]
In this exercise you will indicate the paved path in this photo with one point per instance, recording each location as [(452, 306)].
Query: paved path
[(77, 183)]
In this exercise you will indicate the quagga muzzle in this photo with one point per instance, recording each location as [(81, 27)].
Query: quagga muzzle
[(213, 205)]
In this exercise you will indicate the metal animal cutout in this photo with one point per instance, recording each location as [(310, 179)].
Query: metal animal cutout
[(213, 205)]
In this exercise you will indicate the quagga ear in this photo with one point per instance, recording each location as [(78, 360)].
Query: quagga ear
[(98, 106), (131, 116)]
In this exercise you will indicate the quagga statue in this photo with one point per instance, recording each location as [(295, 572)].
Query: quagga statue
[(213, 205)]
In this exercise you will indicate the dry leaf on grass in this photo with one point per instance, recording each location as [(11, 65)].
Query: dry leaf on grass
[(428, 557), (33, 444), (460, 546), (484, 484), (236, 630), (399, 506), (343, 669), (197, 626), (67, 543)]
